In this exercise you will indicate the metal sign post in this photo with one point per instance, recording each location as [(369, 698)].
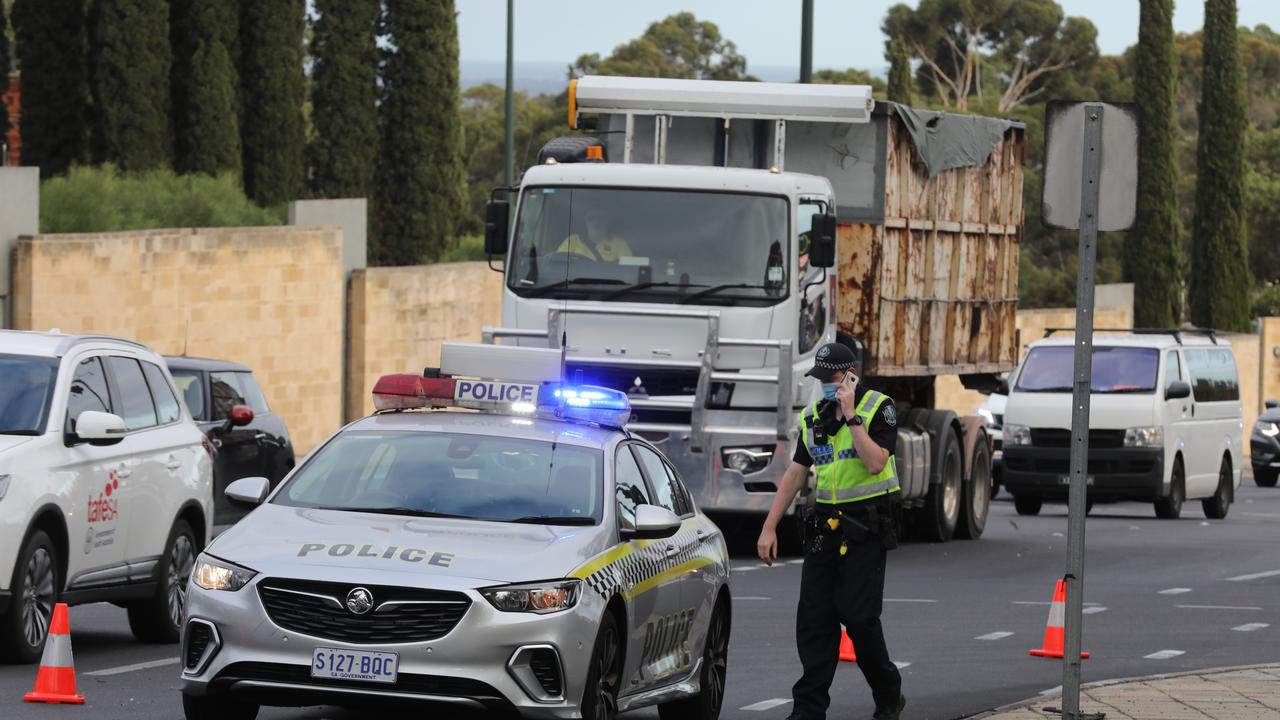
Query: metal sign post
[(1075, 135)]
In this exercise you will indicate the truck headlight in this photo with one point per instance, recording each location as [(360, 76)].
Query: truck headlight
[(1268, 429), (540, 598), (1016, 435), (214, 574), (747, 460), (1144, 437)]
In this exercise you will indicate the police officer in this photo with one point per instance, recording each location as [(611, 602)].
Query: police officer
[(848, 438)]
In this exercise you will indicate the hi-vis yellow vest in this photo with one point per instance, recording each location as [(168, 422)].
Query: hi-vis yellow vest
[(842, 476)]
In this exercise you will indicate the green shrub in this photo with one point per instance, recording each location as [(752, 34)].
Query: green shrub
[(104, 199), (1266, 302), (464, 249)]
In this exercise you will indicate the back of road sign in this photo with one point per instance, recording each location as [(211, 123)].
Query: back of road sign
[(1118, 186)]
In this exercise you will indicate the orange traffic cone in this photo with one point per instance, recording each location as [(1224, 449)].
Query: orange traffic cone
[(1055, 630), (846, 647), (56, 680)]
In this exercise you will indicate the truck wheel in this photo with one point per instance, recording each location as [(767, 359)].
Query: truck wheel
[(976, 498), (1027, 504), (1265, 477), (24, 628), (937, 520), (159, 618), (1169, 508), (1216, 507)]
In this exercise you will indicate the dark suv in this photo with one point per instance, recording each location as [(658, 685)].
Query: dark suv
[(227, 404)]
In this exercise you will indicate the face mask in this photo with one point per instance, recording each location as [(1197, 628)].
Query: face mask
[(829, 391)]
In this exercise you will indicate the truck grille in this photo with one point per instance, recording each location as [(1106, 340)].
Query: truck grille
[(655, 381), (1059, 438), (1062, 466), (399, 615)]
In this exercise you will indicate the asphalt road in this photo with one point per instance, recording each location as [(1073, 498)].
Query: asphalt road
[(1165, 596)]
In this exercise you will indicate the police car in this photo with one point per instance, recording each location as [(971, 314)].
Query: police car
[(533, 557)]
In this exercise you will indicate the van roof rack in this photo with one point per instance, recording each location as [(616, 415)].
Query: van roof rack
[(1177, 333)]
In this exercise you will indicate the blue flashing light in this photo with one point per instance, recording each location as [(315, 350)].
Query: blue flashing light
[(587, 403)]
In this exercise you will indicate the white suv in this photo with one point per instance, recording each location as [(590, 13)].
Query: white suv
[(105, 486)]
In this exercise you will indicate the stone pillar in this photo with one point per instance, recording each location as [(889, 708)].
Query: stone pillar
[(19, 215)]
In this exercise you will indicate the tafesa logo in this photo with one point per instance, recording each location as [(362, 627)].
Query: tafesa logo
[(105, 508)]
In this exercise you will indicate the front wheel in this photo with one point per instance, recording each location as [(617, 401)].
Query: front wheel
[(1170, 508), (1217, 506), (159, 618), (715, 670), (1028, 504), (216, 708), (1265, 477), (24, 628), (604, 679)]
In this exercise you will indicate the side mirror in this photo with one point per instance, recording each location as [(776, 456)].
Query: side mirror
[(1177, 390), (822, 241), (497, 215), (1273, 404), (99, 428), (248, 491), (238, 416), (652, 523)]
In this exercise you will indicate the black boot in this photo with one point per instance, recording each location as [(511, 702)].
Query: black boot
[(892, 712)]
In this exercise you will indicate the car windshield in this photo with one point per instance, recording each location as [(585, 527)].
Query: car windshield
[(662, 246), (1115, 370), (26, 386), (451, 475)]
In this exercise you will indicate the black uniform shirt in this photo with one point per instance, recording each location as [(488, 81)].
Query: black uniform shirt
[(883, 428)]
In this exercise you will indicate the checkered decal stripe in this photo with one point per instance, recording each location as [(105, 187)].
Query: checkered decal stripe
[(643, 563), (824, 454)]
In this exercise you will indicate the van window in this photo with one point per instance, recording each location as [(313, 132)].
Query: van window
[(1115, 370), (1213, 375), (1172, 367), (136, 406), (166, 404)]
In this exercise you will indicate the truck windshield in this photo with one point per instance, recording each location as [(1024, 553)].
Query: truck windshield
[(708, 248), (1115, 370), (26, 385)]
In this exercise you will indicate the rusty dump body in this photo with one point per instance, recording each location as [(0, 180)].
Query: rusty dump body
[(930, 284)]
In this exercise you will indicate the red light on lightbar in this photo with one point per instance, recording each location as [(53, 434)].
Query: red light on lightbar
[(404, 391)]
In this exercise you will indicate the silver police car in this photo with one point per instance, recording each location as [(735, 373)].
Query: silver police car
[(533, 558)]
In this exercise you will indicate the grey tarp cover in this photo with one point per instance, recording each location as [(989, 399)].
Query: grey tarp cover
[(947, 141)]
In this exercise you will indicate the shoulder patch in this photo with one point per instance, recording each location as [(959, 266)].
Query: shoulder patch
[(890, 414)]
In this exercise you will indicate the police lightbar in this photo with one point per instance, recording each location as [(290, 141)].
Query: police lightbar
[(598, 405)]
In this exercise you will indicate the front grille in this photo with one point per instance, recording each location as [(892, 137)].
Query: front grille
[(1059, 438), (546, 668), (321, 611), (1062, 466), (405, 682), (654, 381), (198, 637)]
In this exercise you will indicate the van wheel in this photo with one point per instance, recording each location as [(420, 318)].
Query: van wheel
[(25, 626), (159, 618), (976, 498), (937, 520), (1216, 507), (1265, 477), (1169, 508), (1027, 504)]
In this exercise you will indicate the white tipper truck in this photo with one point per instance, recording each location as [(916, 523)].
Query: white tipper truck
[(702, 239)]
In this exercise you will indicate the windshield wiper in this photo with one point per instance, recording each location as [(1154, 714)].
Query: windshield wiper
[(543, 290), (20, 431), (644, 286), (555, 520), (398, 510), (718, 288)]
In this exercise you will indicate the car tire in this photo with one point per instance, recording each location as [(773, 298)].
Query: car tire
[(937, 520), (25, 626), (1170, 508), (1265, 477), (975, 500), (216, 708), (1027, 504), (158, 619), (706, 705), (604, 678), (1217, 506)]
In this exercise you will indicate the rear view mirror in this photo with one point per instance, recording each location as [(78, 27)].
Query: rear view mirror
[(99, 428), (497, 215), (238, 416), (652, 523), (1273, 404), (249, 491), (822, 241), (1177, 390)]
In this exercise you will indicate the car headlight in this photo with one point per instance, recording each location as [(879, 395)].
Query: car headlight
[(1015, 435), (540, 598), (1144, 437), (1268, 429), (747, 460), (214, 574)]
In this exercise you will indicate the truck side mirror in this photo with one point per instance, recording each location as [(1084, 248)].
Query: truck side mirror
[(1177, 390), (497, 215), (1003, 388), (822, 241)]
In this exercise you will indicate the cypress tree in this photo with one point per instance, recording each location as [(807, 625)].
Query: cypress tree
[(344, 98), (419, 177), (50, 38), (4, 73), (899, 72), (272, 90), (1219, 291), (205, 117), (1152, 257), (131, 60)]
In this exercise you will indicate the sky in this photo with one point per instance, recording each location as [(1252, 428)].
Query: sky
[(767, 32)]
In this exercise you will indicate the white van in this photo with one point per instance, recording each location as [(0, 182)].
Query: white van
[(1165, 422)]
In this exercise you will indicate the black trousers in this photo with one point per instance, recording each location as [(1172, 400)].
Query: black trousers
[(840, 590)]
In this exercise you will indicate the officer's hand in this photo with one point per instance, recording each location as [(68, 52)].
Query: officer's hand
[(845, 394), (767, 546)]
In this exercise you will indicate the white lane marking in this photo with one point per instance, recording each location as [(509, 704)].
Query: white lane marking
[(763, 565), (1218, 607), (902, 665), (910, 600), (1250, 627), (131, 668), (1204, 523), (745, 569), (797, 561), (1052, 691), (1264, 515), (999, 634), (1254, 576), (1174, 591), (751, 597), (1164, 654), (766, 705), (1134, 527), (1093, 610)]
